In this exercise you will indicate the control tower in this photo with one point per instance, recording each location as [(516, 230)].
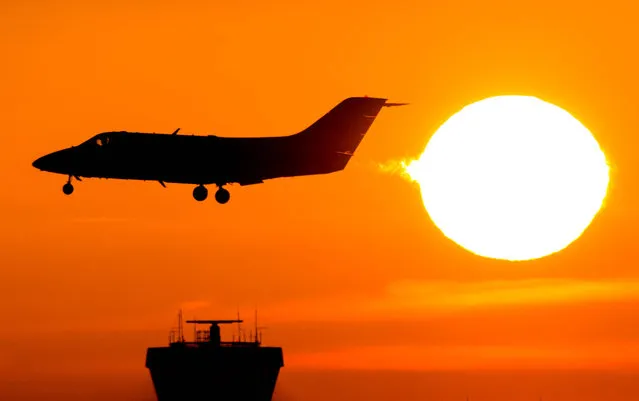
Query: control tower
[(208, 368)]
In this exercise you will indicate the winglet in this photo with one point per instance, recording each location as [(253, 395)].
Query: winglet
[(175, 132)]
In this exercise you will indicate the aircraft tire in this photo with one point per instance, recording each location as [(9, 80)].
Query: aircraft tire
[(67, 188), (222, 196), (200, 193)]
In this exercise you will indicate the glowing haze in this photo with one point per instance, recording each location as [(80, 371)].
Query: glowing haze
[(512, 177), (345, 269)]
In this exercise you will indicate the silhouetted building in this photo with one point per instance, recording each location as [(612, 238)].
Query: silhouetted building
[(210, 369)]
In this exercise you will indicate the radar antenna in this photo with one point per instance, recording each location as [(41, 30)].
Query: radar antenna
[(214, 330)]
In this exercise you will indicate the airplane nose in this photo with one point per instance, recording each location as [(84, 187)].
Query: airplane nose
[(56, 162), (40, 163)]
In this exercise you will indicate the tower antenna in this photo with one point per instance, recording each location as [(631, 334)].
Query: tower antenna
[(180, 327), (239, 326), (255, 339)]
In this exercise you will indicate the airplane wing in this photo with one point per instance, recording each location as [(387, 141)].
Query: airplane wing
[(250, 182)]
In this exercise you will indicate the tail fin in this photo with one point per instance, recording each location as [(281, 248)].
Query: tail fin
[(339, 132)]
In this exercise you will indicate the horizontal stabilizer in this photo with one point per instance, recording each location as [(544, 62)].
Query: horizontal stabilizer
[(395, 104)]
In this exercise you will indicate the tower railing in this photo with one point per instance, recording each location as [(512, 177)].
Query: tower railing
[(212, 336)]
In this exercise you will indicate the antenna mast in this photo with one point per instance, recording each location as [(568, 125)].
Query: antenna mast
[(255, 339)]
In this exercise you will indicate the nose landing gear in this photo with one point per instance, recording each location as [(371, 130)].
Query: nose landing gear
[(67, 188)]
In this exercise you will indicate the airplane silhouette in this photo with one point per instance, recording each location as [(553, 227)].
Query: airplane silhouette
[(324, 147)]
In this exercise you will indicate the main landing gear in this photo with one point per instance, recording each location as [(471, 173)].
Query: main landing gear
[(222, 195), (200, 193)]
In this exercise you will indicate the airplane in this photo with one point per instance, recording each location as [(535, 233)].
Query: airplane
[(324, 147)]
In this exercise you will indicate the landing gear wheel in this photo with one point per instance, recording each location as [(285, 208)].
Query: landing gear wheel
[(200, 193), (222, 196), (67, 188)]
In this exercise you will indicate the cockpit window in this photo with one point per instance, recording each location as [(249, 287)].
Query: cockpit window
[(102, 140)]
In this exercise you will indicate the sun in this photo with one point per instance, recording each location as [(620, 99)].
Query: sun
[(512, 177)]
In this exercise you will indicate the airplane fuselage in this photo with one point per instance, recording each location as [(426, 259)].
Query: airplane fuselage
[(324, 147), (191, 159)]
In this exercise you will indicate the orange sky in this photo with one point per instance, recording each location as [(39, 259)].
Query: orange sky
[(347, 269)]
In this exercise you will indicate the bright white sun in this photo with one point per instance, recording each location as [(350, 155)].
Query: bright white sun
[(512, 177)]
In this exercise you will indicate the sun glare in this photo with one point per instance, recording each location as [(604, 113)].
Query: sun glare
[(512, 177)]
